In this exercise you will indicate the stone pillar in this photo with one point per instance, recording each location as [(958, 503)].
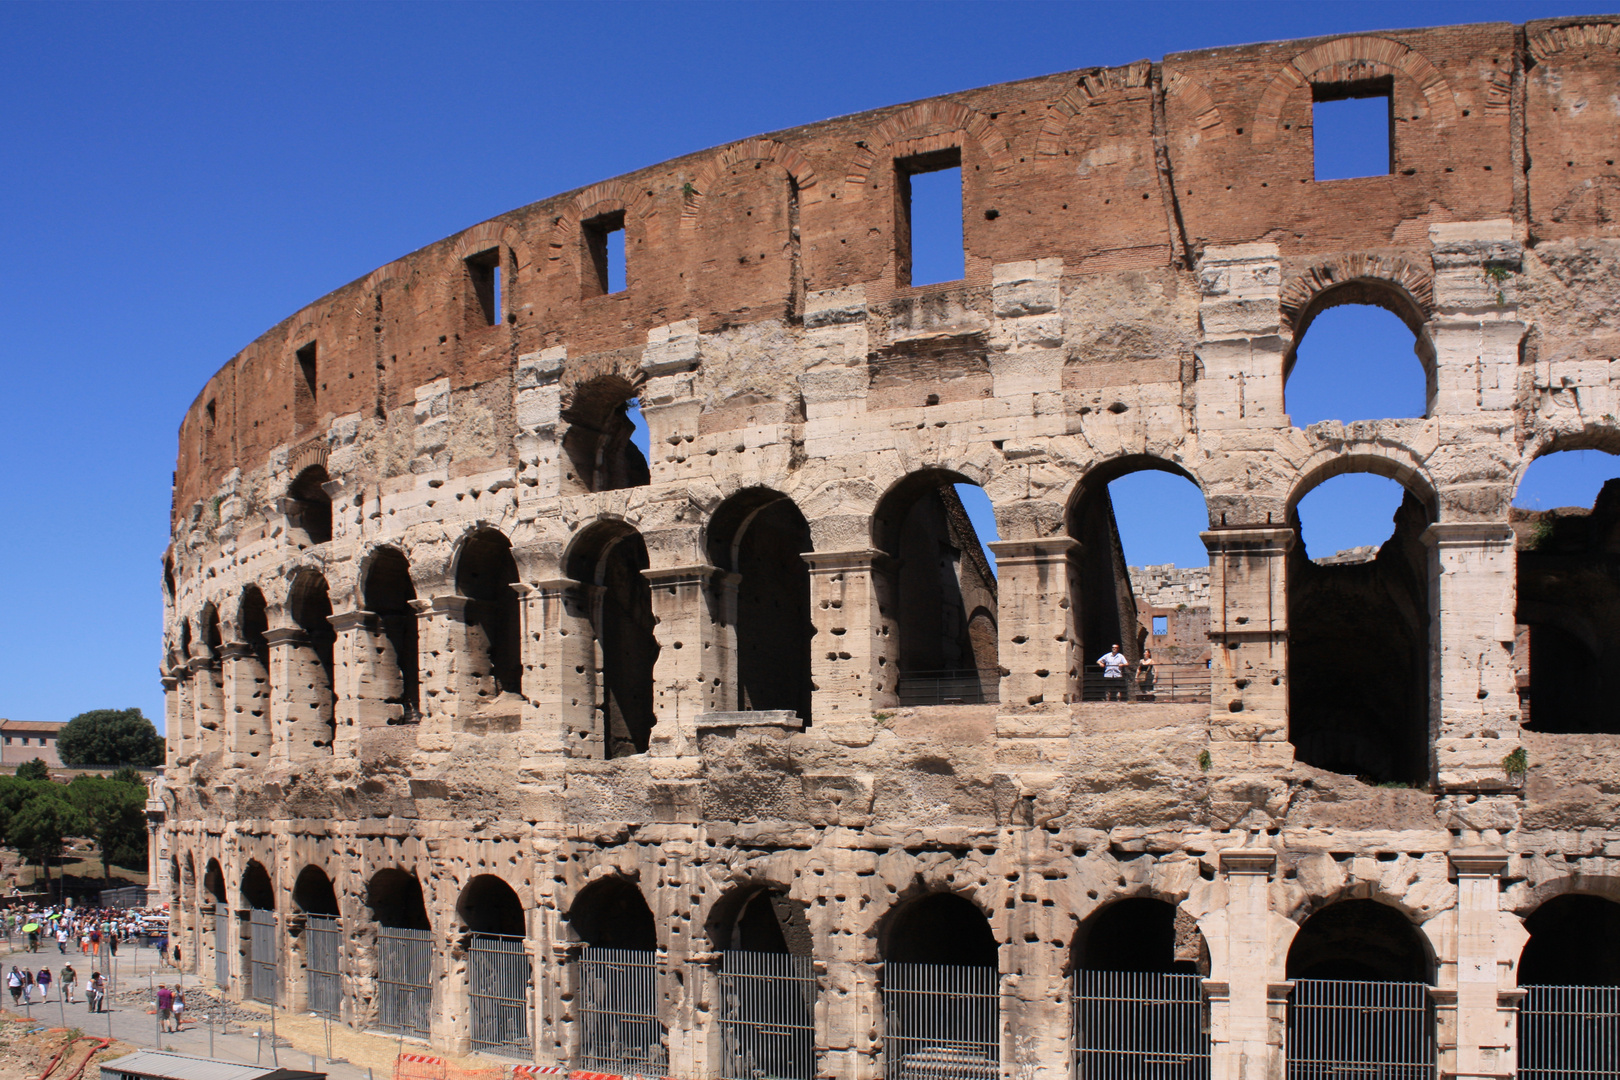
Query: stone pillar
[(854, 654), (441, 636), (1248, 634), (686, 678), (561, 660), (537, 406), (357, 671), (207, 705), (171, 719), (1248, 1000), (300, 698), (1243, 348), (185, 716), (156, 816), (1037, 644), (246, 704), (1473, 694), (1476, 1002)]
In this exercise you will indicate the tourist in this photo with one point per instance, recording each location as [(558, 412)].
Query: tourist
[(165, 1006), (1114, 664), (28, 986), (179, 1006), (61, 937), (43, 979), (69, 977), (1144, 671), (14, 980), (95, 992)]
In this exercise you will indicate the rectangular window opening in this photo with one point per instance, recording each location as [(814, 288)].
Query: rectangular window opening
[(928, 237), (1161, 625), (306, 368), (485, 270), (605, 270), (1353, 129)]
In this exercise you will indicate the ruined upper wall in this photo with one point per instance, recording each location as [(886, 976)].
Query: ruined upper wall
[(1109, 169)]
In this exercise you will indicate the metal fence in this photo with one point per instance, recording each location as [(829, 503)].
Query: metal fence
[(1137, 1025), (1569, 1031), (767, 1016), (404, 980), (130, 896), (965, 686), (618, 1014), (264, 949), (1183, 683), (941, 1022), (222, 947), (322, 942), (1339, 1029), (498, 977)]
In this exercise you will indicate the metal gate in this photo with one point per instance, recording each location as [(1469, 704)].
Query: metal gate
[(767, 1016), (618, 1016), (941, 1022), (404, 980), (1377, 1030), (498, 979), (325, 984), (222, 946), (264, 948), (1139, 1025), (1569, 1031)]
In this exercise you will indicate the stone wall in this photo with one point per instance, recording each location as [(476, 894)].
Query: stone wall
[(432, 622)]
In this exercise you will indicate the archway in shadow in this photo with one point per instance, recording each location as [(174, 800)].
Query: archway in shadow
[(940, 590), (213, 883), (387, 594), (260, 941), (1574, 941), (611, 913), (1132, 958), (609, 557), (313, 893), (761, 536), (1139, 934), (312, 701), (1567, 649), (620, 1028), (499, 975), (250, 726), (1358, 356), (598, 442), (309, 507), (1358, 635), (767, 984), (1570, 972), (941, 987), (1360, 940), (761, 920), (319, 944), (404, 948), (256, 890), (485, 574)]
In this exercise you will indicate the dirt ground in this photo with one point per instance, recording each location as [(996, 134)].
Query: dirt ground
[(32, 1052)]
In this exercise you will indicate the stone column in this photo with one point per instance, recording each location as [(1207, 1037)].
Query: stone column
[(355, 667), (854, 655), (1474, 704), (246, 704), (300, 699), (184, 717), (1037, 619), (1248, 1001), (686, 678), (1248, 634), (562, 664), (171, 719), (207, 705), (1475, 997), (441, 635)]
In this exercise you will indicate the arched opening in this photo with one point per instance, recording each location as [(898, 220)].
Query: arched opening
[(1140, 589), (213, 884), (321, 941), (1358, 356), (388, 593), (404, 944), (761, 536), (767, 985), (309, 507), (499, 976), (1133, 959), (208, 688), (485, 574), (600, 440), (1358, 631), (940, 590), (1360, 1002), (250, 724), (1567, 649), (941, 1000), (311, 701), (1570, 972), (620, 1030), (261, 941), (609, 557)]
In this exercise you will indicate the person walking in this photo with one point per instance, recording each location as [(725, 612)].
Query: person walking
[(28, 986), (112, 943), (69, 977), (14, 981), (165, 1006), (95, 991), (1114, 663), (61, 938), (95, 933), (43, 979), (179, 1007)]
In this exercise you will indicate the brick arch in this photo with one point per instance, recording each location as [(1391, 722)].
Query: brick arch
[(1199, 103), (1091, 88), (1353, 58), (797, 165), (605, 197), (1548, 43), (928, 126), (1387, 281)]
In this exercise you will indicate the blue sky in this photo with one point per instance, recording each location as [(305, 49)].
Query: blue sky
[(179, 177)]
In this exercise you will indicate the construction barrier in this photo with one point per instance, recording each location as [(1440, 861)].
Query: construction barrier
[(428, 1067)]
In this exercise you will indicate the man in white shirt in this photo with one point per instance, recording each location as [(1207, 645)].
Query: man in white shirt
[(1114, 664)]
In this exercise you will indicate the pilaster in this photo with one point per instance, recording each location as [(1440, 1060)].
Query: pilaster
[(690, 634), (1248, 634), (1248, 1002), (855, 651), (246, 703), (207, 705), (1477, 1014), (1037, 645)]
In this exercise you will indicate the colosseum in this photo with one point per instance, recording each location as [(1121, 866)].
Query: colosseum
[(739, 758)]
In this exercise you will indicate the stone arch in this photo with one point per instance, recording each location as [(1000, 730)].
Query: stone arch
[(213, 882), (1361, 938), (614, 599), (1394, 463), (489, 905), (309, 507), (791, 160), (596, 442), (513, 254), (940, 927), (394, 898), (1351, 59), (612, 913), (485, 572), (1574, 940), (760, 916), (249, 726), (256, 887), (311, 695), (388, 593), (313, 892), (1199, 103), (924, 128), (1402, 288)]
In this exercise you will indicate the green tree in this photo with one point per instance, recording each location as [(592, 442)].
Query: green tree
[(114, 814), (34, 770), (129, 774), (110, 737), (38, 828)]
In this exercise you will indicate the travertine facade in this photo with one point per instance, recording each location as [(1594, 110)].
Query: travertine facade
[(431, 620)]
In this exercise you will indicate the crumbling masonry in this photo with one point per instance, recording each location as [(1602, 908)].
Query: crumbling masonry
[(448, 660)]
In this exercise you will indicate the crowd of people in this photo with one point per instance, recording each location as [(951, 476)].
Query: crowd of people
[(95, 934)]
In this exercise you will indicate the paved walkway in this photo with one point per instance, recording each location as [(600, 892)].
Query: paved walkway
[(300, 1042)]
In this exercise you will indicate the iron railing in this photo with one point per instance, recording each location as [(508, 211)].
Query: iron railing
[(941, 1022), (767, 1016), (1567, 1032), (1184, 683), (1137, 1025), (324, 982), (222, 946), (404, 980), (618, 1015), (959, 686), (1346, 1030), (499, 974), (264, 951)]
